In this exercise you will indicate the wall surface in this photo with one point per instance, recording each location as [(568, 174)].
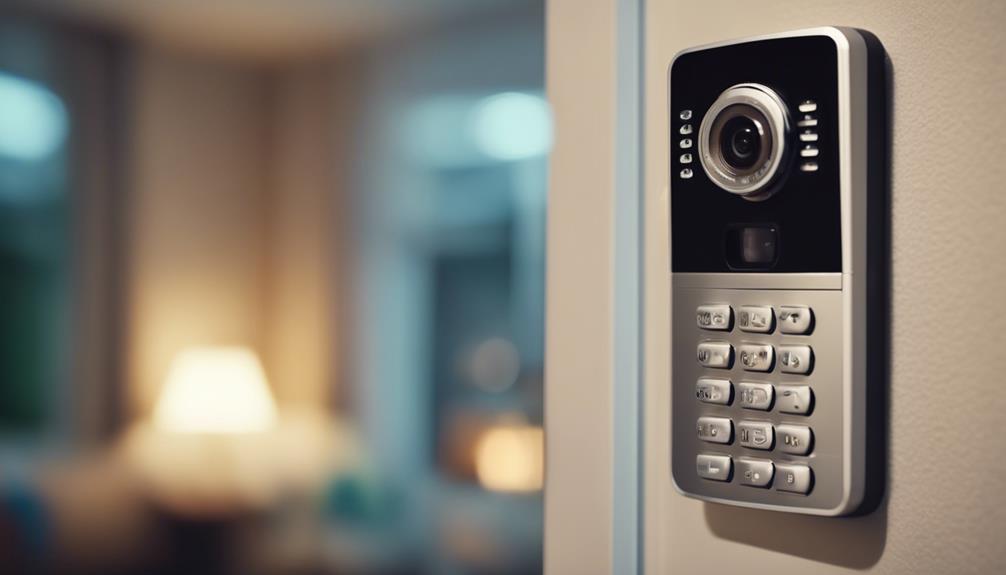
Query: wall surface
[(946, 505), (232, 194), (302, 286), (580, 80), (196, 223)]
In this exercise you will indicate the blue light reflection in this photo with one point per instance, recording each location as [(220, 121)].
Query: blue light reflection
[(33, 120)]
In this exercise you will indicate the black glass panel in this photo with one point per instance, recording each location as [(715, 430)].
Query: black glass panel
[(807, 208)]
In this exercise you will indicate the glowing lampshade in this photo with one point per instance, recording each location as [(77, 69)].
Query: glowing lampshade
[(511, 458), (215, 390)]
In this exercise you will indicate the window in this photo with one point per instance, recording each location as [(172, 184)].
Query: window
[(55, 220), (34, 254), (449, 218)]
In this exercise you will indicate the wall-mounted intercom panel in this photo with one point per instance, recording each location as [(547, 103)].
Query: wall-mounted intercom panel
[(778, 263)]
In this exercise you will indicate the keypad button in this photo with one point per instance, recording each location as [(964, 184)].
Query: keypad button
[(795, 319), (794, 439), (796, 399), (685, 143), (755, 395), (755, 472), (715, 429), (795, 358), (715, 467), (717, 391), (714, 316), (755, 318), (794, 478), (756, 356), (755, 434), (716, 354), (685, 115)]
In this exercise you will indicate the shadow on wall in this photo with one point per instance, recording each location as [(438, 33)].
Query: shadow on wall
[(854, 542)]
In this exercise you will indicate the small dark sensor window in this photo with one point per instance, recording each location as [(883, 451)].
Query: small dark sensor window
[(752, 246)]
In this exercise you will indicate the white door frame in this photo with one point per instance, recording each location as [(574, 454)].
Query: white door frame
[(592, 365)]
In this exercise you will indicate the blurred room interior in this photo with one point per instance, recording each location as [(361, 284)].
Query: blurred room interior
[(272, 286)]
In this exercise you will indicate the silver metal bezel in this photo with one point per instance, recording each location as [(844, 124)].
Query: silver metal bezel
[(756, 184), (851, 282)]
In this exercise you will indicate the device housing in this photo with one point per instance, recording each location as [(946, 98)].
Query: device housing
[(817, 239)]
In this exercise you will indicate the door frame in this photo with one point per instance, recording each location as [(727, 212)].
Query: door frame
[(594, 288)]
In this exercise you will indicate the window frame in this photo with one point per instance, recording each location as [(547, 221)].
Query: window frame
[(86, 406)]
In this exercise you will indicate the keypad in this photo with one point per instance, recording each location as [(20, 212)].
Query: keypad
[(756, 395), (793, 478), (794, 439), (756, 434), (795, 399), (795, 359), (715, 391), (745, 417), (715, 354), (755, 472), (715, 429), (756, 319), (795, 319), (715, 467), (757, 356), (716, 317)]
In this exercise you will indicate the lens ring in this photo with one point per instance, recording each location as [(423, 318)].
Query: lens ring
[(722, 140), (762, 109)]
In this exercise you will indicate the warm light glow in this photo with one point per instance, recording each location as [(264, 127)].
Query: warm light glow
[(511, 458), (215, 390), (205, 475)]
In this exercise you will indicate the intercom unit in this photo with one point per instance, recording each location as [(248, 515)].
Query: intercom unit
[(778, 271)]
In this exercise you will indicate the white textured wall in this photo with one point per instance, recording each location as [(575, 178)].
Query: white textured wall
[(580, 80), (946, 510)]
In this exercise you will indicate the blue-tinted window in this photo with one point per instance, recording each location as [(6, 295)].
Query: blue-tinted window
[(34, 251)]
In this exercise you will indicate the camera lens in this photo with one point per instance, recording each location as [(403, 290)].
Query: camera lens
[(742, 141)]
